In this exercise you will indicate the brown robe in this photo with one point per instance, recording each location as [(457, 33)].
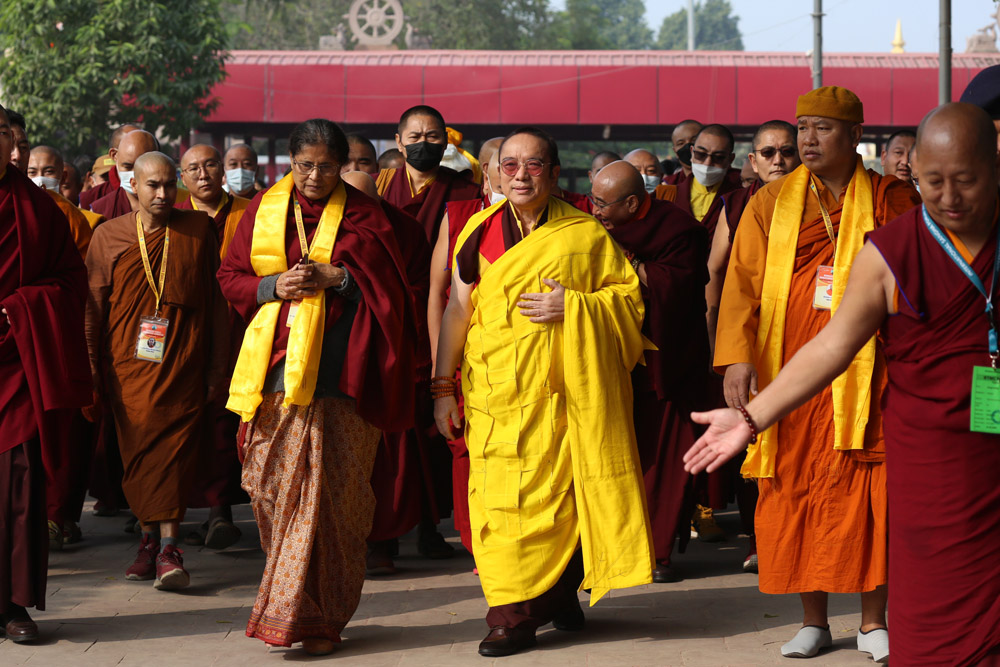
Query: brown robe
[(157, 408)]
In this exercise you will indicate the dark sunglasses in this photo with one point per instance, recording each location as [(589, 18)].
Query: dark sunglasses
[(767, 152)]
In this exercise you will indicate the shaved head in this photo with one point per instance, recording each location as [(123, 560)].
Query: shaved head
[(618, 193), (645, 161), (491, 174), (46, 154), (116, 136), (155, 185), (154, 160), (45, 168), (200, 152), (201, 171), (362, 181), (958, 124), (685, 128), (488, 149), (134, 144)]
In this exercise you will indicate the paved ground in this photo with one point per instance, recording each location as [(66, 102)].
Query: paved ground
[(431, 613)]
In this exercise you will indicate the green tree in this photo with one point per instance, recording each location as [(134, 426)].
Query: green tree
[(603, 24), (716, 29), (76, 68), (481, 24), (283, 24)]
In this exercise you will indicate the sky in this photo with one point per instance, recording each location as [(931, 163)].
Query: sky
[(850, 26)]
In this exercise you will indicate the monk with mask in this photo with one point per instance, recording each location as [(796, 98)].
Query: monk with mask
[(122, 200), (158, 336), (88, 197), (648, 166), (45, 169), (240, 163), (821, 517), (921, 282), (218, 485), (682, 140), (544, 317), (43, 372), (668, 249)]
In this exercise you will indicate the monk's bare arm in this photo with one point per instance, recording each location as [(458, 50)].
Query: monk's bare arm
[(717, 260), (440, 277), (451, 343), (867, 301)]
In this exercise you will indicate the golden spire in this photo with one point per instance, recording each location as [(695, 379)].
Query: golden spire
[(897, 41)]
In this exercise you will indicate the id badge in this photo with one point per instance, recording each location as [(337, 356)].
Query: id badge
[(293, 308), (152, 339), (823, 295), (985, 409)]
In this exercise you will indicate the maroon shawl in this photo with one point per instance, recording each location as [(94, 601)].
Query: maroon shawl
[(428, 206)]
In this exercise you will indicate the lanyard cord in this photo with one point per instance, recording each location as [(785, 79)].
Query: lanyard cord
[(158, 293), (826, 217)]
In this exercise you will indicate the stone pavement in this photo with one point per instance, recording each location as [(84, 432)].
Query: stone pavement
[(431, 613)]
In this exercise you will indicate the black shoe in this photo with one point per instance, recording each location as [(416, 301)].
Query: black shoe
[(506, 641), (18, 626), (431, 544), (571, 620), (664, 574)]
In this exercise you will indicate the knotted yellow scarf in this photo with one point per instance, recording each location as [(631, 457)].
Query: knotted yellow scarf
[(852, 389), (305, 340)]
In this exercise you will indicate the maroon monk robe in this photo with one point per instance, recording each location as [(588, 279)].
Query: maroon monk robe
[(401, 477), (736, 202), (112, 205), (379, 369), (711, 219), (943, 480), (575, 199), (42, 369), (88, 197), (428, 205), (673, 248)]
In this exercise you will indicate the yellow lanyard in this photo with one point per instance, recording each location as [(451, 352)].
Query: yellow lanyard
[(826, 217), (158, 293), (303, 244), (222, 204)]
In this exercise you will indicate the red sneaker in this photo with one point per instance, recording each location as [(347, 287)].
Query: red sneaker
[(144, 567), (170, 572)]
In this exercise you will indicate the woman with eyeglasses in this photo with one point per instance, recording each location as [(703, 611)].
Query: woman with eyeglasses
[(326, 363), (544, 318)]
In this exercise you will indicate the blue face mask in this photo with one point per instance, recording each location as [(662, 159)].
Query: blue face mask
[(126, 178), (240, 180)]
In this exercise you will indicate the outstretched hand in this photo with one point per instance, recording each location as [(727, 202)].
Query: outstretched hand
[(727, 435)]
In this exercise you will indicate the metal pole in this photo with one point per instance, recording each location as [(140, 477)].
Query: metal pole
[(817, 67), (944, 55), (690, 25)]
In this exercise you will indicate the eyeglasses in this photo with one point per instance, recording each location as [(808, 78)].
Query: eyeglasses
[(534, 167), (702, 155), (601, 205), (306, 168), (767, 152), (209, 166)]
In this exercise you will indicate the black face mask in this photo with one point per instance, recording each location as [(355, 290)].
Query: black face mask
[(424, 156), (684, 154)]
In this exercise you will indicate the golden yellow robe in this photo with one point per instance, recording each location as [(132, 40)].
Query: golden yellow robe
[(549, 429)]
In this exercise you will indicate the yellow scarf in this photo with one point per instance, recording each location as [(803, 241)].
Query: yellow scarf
[(852, 389), (305, 340)]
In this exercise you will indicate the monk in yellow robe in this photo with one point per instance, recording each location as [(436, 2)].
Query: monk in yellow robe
[(545, 316), (821, 517)]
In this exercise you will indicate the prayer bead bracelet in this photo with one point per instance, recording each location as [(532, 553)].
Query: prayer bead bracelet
[(749, 421), (442, 386)]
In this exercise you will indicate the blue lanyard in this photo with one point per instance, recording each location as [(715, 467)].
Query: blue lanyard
[(956, 257)]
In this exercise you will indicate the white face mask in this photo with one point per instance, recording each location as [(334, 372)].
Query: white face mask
[(46, 183), (494, 197), (707, 175), (651, 182), (126, 178), (240, 180)]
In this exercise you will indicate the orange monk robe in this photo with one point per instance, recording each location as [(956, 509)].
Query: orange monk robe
[(93, 219), (158, 407), (79, 226), (821, 520), (665, 192), (226, 217)]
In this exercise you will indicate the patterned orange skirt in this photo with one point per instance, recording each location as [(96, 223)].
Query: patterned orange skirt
[(307, 470)]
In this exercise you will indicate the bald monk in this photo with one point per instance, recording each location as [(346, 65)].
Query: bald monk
[(158, 341), (361, 156), (113, 182), (423, 187), (45, 169), (668, 249), (486, 151), (747, 175), (942, 447), (122, 200), (821, 517), (401, 475), (895, 157), (600, 161), (458, 215), (648, 166), (22, 147), (43, 371), (682, 140), (218, 485), (391, 159), (240, 164)]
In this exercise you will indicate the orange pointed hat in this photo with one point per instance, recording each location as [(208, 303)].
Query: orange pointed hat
[(831, 102)]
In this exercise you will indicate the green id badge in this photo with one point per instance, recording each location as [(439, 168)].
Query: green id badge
[(985, 409)]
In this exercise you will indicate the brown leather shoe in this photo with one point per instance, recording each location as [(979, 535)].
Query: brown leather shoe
[(664, 574), (20, 628), (506, 641), (318, 646)]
